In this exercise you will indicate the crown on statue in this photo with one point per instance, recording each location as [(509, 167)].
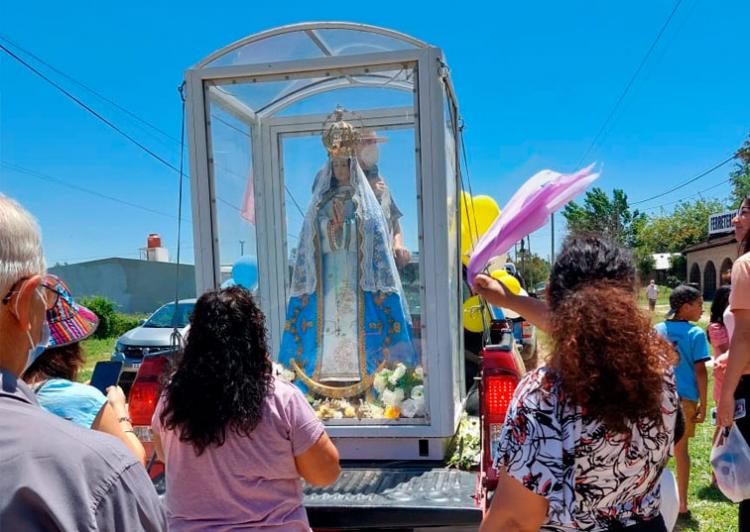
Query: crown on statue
[(340, 138)]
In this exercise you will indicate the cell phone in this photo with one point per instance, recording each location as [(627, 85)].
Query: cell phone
[(106, 374)]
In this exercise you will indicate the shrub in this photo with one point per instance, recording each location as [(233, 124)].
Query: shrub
[(122, 323), (111, 323), (105, 310), (673, 281)]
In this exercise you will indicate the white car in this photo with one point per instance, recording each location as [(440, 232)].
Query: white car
[(153, 335)]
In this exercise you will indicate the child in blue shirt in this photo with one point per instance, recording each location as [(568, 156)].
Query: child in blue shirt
[(690, 342)]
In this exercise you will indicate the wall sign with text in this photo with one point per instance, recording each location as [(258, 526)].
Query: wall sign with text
[(721, 223)]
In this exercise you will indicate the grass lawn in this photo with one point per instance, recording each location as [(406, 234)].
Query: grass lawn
[(711, 511), (94, 350)]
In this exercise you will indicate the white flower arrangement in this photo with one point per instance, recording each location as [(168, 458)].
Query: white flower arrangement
[(409, 408), (419, 372), (396, 374), (417, 392), (380, 382), (373, 411), (393, 397), (282, 373)]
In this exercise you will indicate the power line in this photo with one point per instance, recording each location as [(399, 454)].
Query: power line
[(601, 133), (110, 123), (689, 181), (89, 89), (90, 110), (56, 180), (688, 196)]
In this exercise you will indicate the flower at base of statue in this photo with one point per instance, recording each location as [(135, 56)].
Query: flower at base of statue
[(373, 411), (282, 373), (398, 372), (379, 382), (409, 408), (349, 411), (417, 392), (419, 372), (393, 397), (392, 412), (337, 414), (324, 412), (421, 408)]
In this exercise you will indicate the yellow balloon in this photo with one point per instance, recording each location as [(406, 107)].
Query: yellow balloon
[(477, 215), (485, 212), (510, 282), (473, 315)]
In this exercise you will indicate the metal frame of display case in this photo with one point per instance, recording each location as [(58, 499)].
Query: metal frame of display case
[(444, 363)]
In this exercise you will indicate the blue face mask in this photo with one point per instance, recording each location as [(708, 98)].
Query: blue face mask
[(35, 350)]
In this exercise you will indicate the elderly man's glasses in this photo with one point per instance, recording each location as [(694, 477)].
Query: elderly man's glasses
[(51, 294)]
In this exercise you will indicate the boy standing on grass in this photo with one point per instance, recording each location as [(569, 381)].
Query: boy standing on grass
[(690, 342)]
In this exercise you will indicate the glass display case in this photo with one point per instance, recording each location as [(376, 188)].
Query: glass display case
[(325, 154)]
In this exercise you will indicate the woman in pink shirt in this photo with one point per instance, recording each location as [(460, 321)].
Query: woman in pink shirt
[(236, 440), (718, 337)]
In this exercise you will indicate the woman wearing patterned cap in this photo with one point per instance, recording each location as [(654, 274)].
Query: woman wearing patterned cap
[(52, 376)]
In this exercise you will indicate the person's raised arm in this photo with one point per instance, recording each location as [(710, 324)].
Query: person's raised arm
[(495, 293)]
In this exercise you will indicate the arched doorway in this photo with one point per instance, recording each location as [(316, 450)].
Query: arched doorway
[(725, 272), (695, 274), (709, 280)]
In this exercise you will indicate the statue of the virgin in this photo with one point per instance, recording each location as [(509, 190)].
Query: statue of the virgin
[(347, 317)]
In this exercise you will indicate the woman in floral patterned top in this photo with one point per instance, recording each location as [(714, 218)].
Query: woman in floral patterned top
[(587, 435)]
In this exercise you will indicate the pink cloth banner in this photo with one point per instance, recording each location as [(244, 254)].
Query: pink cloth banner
[(248, 201), (527, 211)]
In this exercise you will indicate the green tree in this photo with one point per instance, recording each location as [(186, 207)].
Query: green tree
[(686, 225), (678, 267), (533, 268), (610, 218), (644, 262), (740, 176)]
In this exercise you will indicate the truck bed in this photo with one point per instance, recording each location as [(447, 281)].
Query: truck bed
[(395, 495)]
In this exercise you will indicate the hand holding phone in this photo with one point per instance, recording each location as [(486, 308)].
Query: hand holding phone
[(106, 374)]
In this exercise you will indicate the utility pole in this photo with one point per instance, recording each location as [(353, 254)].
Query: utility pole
[(552, 242), (242, 248)]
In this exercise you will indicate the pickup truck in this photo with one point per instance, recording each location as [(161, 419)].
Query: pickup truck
[(395, 494)]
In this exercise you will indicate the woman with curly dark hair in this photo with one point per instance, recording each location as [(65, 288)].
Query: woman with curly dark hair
[(236, 440), (588, 434)]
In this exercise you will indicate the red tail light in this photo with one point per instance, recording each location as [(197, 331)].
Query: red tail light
[(145, 391), (497, 396), (500, 376)]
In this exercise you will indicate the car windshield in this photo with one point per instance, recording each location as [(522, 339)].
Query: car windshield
[(163, 317)]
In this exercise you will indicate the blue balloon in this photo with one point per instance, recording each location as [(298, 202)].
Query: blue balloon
[(245, 272), (229, 282)]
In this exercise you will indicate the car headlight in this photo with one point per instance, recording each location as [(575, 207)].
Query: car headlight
[(119, 347)]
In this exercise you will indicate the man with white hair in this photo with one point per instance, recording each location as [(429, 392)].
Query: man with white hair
[(652, 294), (53, 474)]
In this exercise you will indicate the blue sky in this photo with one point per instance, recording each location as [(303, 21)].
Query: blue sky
[(535, 82)]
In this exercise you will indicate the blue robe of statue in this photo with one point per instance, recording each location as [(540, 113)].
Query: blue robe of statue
[(338, 334)]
